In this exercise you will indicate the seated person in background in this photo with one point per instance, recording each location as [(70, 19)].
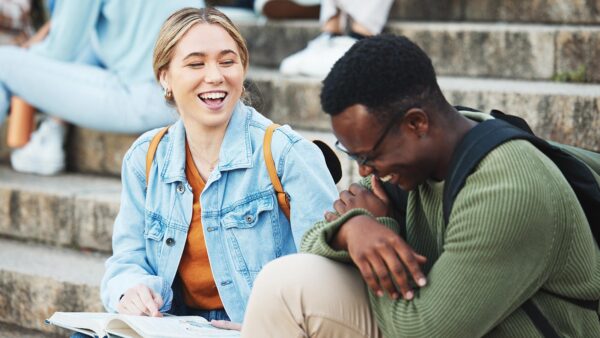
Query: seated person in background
[(366, 18), (248, 11), (94, 69), (191, 238), (288, 9), (15, 20), (516, 230)]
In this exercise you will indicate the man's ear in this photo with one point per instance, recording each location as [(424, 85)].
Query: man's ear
[(416, 121)]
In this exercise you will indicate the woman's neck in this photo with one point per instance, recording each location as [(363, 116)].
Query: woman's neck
[(205, 146)]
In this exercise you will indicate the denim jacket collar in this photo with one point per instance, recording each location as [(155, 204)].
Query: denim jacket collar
[(235, 153)]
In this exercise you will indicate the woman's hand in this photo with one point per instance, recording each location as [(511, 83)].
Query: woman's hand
[(140, 300), (227, 325)]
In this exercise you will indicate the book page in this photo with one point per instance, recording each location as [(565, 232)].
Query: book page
[(84, 322), (168, 327), (123, 333)]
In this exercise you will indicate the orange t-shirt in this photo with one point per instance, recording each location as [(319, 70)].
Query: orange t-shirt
[(199, 288)]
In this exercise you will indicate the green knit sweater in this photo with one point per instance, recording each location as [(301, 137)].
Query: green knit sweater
[(516, 227)]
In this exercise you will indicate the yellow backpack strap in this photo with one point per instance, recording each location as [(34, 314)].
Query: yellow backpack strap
[(282, 197), (152, 150)]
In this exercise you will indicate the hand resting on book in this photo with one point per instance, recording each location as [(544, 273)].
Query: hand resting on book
[(140, 300)]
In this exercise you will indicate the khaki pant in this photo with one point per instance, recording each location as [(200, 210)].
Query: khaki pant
[(306, 295)]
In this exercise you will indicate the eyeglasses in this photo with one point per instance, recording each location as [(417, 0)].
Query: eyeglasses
[(367, 158)]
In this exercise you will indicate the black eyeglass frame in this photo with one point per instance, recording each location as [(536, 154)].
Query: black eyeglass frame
[(367, 159)]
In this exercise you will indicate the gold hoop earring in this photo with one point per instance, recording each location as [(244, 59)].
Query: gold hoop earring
[(168, 94)]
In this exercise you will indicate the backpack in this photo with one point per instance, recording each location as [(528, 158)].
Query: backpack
[(333, 164), (580, 167)]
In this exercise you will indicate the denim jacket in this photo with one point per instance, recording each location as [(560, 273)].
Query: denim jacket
[(244, 228)]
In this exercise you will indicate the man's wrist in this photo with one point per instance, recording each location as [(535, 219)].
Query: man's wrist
[(340, 240)]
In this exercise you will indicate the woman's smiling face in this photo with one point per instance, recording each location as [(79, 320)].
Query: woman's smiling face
[(205, 75)]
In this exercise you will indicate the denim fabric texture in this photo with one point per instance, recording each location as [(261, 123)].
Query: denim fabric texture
[(244, 227)]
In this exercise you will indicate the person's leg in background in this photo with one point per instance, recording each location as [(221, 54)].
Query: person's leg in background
[(366, 18), (44, 154), (306, 295), (85, 95), (288, 9), (331, 26)]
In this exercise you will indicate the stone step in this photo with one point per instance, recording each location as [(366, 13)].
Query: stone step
[(499, 50), (546, 11), (567, 113), (70, 210), (13, 331), (540, 11), (563, 112), (36, 281)]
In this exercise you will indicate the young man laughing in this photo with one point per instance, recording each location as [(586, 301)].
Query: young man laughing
[(516, 232)]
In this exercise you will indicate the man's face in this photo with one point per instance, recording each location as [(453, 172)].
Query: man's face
[(403, 157)]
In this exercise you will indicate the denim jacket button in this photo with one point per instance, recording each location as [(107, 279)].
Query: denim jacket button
[(170, 241), (249, 219), (180, 188)]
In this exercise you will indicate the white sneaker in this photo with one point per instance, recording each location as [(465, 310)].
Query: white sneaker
[(292, 64), (319, 64), (44, 154)]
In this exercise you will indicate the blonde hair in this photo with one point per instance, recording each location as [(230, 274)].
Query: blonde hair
[(179, 23)]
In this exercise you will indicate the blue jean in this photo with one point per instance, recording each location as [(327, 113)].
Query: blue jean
[(206, 314), (81, 92)]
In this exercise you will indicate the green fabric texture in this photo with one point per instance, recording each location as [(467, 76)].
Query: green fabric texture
[(516, 227), (319, 236)]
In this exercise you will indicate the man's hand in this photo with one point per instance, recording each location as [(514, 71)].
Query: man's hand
[(140, 300), (357, 196), (382, 256), (227, 325)]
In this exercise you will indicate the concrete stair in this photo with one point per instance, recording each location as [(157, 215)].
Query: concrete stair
[(14, 331), (538, 11), (70, 210), (38, 280), (497, 50), (516, 56), (555, 110), (55, 234)]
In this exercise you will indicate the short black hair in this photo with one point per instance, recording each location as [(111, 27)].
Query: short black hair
[(386, 73)]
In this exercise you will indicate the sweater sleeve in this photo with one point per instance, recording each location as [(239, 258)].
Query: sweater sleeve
[(497, 251), (71, 26), (317, 240)]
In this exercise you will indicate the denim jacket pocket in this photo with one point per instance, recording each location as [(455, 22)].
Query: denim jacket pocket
[(154, 232), (251, 230)]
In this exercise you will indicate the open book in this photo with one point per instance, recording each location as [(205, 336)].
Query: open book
[(103, 325)]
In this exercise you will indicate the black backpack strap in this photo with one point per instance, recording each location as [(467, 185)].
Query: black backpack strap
[(579, 176), (513, 120), (488, 135), (476, 144), (539, 320), (463, 108), (586, 304)]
